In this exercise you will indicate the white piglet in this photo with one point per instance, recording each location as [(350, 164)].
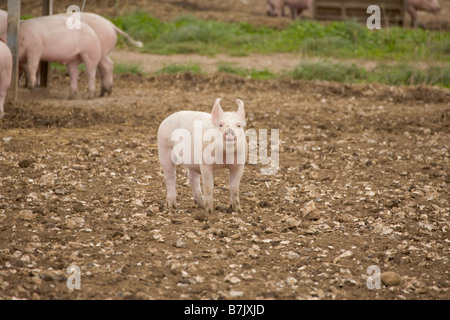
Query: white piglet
[(203, 142)]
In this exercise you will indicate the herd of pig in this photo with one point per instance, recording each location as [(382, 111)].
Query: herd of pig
[(296, 7), (51, 38)]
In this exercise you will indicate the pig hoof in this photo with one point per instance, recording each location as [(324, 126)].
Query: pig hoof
[(236, 206), (200, 202), (172, 204), (209, 210)]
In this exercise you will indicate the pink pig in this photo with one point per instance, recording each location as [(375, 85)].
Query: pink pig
[(412, 6), (3, 25), (276, 7), (107, 34), (229, 146), (49, 38), (5, 73)]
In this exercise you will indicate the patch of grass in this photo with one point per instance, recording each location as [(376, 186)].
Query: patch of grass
[(248, 73), (347, 39), (58, 67), (329, 71), (181, 68), (135, 68), (398, 74), (403, 74)]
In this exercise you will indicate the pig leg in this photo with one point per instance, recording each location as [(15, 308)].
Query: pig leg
[(235, 178), (169, 176), (194, 179), (91, 69), (208, 187), (413, 13), (106, 67), (30, 71), (72, 69), (2, 102)]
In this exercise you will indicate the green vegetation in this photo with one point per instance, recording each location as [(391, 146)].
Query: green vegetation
[(398, 74), (338, 39), (120, 68), (227, 67), (181, 68)]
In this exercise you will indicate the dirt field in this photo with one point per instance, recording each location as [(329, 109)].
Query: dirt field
[(363, 181)]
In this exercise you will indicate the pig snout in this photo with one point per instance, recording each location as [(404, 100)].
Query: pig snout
[(229, 135)]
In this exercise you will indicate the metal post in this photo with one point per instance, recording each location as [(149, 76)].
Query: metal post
[(47, 10), (13, 43)]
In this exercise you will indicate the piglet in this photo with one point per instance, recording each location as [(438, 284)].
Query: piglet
[(203, 142), (5, 73)]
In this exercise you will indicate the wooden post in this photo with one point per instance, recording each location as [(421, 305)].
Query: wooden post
[(13, 43), (47, 10)]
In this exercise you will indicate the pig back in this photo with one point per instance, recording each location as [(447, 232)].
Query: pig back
[(51, 37)]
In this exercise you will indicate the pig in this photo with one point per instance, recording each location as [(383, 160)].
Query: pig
[(229, 152), (5, 74), (412, 6), (276, 7), (107, 34), (3, 25), (50, 39)]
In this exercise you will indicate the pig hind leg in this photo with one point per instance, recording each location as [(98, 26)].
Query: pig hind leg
[(91, 67), (169, 175), (105, 68), (194, 179), (74, 72), (31, 68)]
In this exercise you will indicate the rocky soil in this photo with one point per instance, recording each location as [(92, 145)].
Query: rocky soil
[(362, 191)]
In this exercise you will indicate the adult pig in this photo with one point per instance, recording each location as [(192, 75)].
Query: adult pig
[(204, 142), (3, 25), (276, 7), (5, 74), (50, 39), (412, 6), (107, 34)]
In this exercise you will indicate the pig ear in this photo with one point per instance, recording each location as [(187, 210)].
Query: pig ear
[(241, 111), (217, 111)]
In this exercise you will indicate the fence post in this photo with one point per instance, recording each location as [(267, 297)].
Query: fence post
[(47, 10), (13, 43)]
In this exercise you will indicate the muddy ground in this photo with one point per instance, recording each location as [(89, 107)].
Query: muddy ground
[(363, 180)]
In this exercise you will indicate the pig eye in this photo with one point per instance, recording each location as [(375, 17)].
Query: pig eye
[(238, 125), (220, 125)]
